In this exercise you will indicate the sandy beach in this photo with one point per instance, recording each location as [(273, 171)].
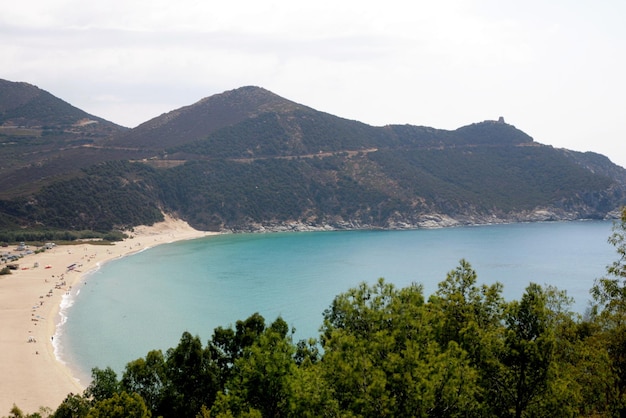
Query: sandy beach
[(30, 299)]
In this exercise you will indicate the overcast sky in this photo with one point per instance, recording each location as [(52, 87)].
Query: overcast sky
[(554, 69)]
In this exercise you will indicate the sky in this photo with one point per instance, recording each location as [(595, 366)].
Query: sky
[(554, 69)]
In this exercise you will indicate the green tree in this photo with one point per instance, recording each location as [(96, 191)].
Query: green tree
[(381, 358), (609, 292), (192, 378), (528, 352), (16, 412), (307, 352), (609, 313), (262, 376), (469, 313), (227, 345), (104, 384), (471, 316), (225, 405), (73, 406), (591, 369), (120, 405), (312, 395), (148, 378)]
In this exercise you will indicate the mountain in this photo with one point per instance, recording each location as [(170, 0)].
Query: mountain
[(44, 137), (27, 106), (196, 121), (247, 159)]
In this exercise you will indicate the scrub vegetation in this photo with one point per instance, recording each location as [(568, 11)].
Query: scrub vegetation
[(247, 159)]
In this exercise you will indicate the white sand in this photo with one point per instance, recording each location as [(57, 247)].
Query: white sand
[(30, 375)]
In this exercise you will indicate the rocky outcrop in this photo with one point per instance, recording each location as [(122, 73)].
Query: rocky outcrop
[(426, 221)]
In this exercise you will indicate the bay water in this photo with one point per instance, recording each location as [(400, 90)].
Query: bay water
[(147, 300)]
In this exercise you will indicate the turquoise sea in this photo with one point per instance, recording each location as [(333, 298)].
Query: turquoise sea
[(145, 301)]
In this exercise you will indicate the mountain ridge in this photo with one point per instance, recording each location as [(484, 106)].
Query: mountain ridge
[(26, 105), (247, 159), (198, 120)]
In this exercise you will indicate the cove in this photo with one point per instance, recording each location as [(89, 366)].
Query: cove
[(146, 301)]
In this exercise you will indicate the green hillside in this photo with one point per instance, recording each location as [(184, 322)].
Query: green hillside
[(42, 138), (248, 159)]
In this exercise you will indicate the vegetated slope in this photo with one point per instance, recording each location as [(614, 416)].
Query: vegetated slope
[(385, 189), (250, 160), (297, 133), (27, 106), (200, 119), (39, 136)]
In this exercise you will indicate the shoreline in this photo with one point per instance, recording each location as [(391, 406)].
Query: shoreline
[(30, 307), (34, 376)]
